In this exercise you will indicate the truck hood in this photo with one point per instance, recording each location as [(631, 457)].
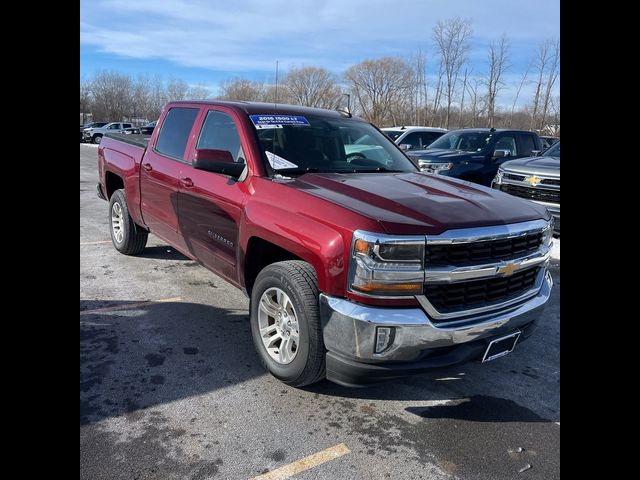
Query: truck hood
[(443, 155), (418, 203), (547, 166)]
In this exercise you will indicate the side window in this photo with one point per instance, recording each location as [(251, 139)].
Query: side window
[(428, 138), (507, 142), (126, 125), (174, 134), (115, 126), (527, 144), (412, 139), (219, 133)]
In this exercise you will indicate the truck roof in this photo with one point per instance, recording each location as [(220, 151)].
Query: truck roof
[(261, 108)]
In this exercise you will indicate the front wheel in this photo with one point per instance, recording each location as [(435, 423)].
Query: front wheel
[(285, 323), (96, 139), (127, 237)]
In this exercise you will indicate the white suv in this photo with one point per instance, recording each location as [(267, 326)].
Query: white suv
[(95, 134), (413, 138)]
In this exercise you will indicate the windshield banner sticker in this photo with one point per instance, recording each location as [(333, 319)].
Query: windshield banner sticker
[(277, 121), (278, 163)]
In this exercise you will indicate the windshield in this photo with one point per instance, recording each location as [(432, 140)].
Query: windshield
[(329, 145), (468, 141), (553, 151), (392, 134)]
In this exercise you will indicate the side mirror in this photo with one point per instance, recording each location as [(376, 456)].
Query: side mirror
[(405, 146), (217, 161), (536, 153), (501, 153)]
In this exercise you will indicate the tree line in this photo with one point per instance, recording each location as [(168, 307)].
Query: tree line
[(444, 90)]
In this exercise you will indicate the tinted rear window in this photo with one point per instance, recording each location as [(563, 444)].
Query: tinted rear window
[(174, 135)]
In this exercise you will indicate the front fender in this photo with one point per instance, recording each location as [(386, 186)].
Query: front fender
[(313, 241)]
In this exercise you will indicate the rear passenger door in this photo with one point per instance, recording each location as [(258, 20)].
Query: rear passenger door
[(160, 173), (210, 204)]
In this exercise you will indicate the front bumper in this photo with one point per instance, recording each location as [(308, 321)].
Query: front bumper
[(349, 331)]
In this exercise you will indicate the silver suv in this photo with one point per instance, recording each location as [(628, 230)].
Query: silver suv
[(413, 138), (94, 134), (534, 178)]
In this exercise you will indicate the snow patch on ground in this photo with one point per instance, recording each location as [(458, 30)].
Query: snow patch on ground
[(92, 145), (555, 250)]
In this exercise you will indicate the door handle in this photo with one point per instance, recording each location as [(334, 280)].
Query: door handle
[(186, 182), (147, 167)]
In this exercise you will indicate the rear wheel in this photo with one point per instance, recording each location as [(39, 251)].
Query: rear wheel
[(285, 322), (127, 237)]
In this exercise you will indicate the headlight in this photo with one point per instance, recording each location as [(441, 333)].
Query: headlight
[(498, 177), (386, 265), (547, 233), (434, 167)]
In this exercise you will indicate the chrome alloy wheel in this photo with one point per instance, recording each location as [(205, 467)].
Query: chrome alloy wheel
[(117, 222), (278, 325)]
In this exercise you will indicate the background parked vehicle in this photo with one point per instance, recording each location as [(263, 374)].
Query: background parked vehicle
[(414, 138), (94, 134), (534, 178), (89, 125), (475, 154), (148, 128)]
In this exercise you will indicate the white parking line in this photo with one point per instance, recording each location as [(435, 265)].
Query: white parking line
[(126, 306), (95, 243), (305, 463)]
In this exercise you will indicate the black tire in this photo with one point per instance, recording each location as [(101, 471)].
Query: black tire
[(134, 238), (96, 139), (299, 281)]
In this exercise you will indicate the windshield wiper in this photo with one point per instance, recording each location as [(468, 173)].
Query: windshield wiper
[(295, 170), (371, 170)]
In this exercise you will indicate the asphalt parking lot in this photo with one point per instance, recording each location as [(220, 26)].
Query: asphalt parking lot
[(170, 387)]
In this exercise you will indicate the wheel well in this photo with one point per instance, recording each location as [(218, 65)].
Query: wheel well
[(259, 254), (113, 183)]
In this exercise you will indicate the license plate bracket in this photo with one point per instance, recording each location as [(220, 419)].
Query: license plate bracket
[(500, 347)]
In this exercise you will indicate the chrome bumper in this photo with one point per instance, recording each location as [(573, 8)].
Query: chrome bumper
[(349, 328)]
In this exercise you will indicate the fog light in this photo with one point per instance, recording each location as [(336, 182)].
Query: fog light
[(384, 338)]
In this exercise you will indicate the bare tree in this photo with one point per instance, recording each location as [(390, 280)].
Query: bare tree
[(377, 85), (552, 75), (437, 98), (313, 87), (477, 107), (158, 97), (198, 92), (452, 41), (540, 64), (85, 100), (241, 89), (461, 122), (177, 90), (111, 92), (515, 100), (498, 64)]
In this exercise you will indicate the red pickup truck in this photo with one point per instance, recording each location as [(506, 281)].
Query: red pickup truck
[(359, 267)]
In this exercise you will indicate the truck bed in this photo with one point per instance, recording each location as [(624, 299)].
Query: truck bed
[(136, 139)]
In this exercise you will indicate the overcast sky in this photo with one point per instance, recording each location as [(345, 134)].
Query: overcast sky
[(206, 41)]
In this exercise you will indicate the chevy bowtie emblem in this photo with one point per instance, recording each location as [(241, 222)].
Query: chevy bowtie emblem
[(508, 269), (532, 180)]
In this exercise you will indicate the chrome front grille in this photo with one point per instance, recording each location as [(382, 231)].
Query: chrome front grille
[(483, 270)]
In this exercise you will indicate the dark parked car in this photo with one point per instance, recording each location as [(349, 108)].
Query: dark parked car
[(148, 128), (475, 154), (90, 125), (130, 130), (534, 178)]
